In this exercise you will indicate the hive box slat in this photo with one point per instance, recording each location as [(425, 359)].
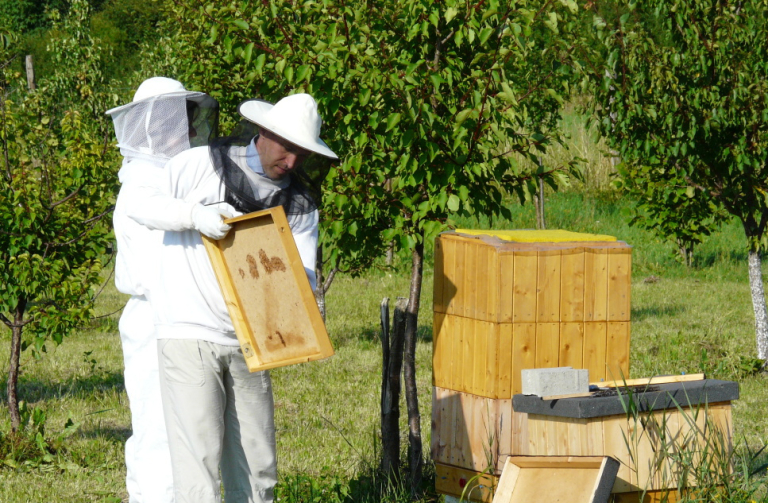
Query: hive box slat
[(267, 292)]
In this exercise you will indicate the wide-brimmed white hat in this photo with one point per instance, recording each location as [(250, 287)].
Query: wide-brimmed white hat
[(294, 118), (153, 87)]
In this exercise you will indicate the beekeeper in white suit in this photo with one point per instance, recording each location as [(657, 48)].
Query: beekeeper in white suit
[(163, 120), (220, 417)]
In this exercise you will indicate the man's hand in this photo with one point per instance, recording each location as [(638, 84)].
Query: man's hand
[(210, 221)]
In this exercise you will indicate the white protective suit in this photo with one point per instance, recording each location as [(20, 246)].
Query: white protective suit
[(218, 414), (150, 130)]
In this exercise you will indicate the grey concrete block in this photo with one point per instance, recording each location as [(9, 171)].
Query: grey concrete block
[(555, 381)]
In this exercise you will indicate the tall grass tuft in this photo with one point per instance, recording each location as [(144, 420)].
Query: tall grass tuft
[(694, 458)]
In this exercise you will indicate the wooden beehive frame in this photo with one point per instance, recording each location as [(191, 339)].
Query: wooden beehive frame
[(267, 292), (585, 479)]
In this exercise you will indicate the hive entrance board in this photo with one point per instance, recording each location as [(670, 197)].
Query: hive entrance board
[(267, 292), (564, 479)]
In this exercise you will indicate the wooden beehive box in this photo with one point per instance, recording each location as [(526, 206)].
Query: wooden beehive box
[(267, 292), (510, 300), (689, 417)]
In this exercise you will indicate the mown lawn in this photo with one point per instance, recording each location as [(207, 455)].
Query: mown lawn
[(683, 319)]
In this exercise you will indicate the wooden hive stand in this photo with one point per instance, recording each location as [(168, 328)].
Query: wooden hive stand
[(511, 300)]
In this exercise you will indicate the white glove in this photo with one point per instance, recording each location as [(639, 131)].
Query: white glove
[(208, 220)]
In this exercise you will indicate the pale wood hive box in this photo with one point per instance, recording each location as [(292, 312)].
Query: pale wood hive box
[(511, 300)]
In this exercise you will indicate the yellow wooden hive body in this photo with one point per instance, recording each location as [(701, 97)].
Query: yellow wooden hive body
[(501, 306), (511, 300)]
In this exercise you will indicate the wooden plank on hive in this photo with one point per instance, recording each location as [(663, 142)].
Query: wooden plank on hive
[(617, 350), (537, 441), (454, 326), (595, 343), (466, 370), (267, 292), (547, 345), (505, 355), (506, 286), (572, 285), (596, 284), (441, 347), (448, 405), (595, 442), (483, 434), (645, 381), (524, 296), (619, 277), (449, 281), (520, 444), (548, 287), (493, 287), (720, 427), (456, 305), (479, 353), (614, 436), (523, 352), (460, 453), (578, 441), (483, 280), (438, 445), (437, 289), (571, 345), (491, 366), (506, 434), (471, 280)]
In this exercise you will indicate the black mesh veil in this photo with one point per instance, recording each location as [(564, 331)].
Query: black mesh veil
[(203, 117), (297, 198)]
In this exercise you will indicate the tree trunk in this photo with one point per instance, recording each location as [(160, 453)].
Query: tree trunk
[(758, 304), (409, 370), (13, 372), (392, 364), (30, 72)]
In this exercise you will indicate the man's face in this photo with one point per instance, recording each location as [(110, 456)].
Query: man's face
[(278, 157)]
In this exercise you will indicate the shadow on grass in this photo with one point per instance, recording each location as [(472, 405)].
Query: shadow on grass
[(33, 390), (704, 260), (657, 312), (110, 433)]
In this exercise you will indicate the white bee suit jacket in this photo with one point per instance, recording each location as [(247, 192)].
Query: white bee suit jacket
[(187, 301), (149, 478)]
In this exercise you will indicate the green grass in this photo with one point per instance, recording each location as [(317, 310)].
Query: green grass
[(328, 412)]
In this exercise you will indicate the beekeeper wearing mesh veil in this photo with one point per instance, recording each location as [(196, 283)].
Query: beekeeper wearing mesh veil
[(163, 120), (220, 417)]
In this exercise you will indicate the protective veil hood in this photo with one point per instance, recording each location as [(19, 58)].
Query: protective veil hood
[(164, 119)]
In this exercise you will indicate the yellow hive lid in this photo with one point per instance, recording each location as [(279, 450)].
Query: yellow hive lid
[(535, 236)]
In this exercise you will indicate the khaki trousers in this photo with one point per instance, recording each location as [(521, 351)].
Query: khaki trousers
[(219, 416)]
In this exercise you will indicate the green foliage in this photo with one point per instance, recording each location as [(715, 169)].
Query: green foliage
[(682, 92), (21, 16), (56, 193), (31, 447), (424, 101), (669, 207)]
